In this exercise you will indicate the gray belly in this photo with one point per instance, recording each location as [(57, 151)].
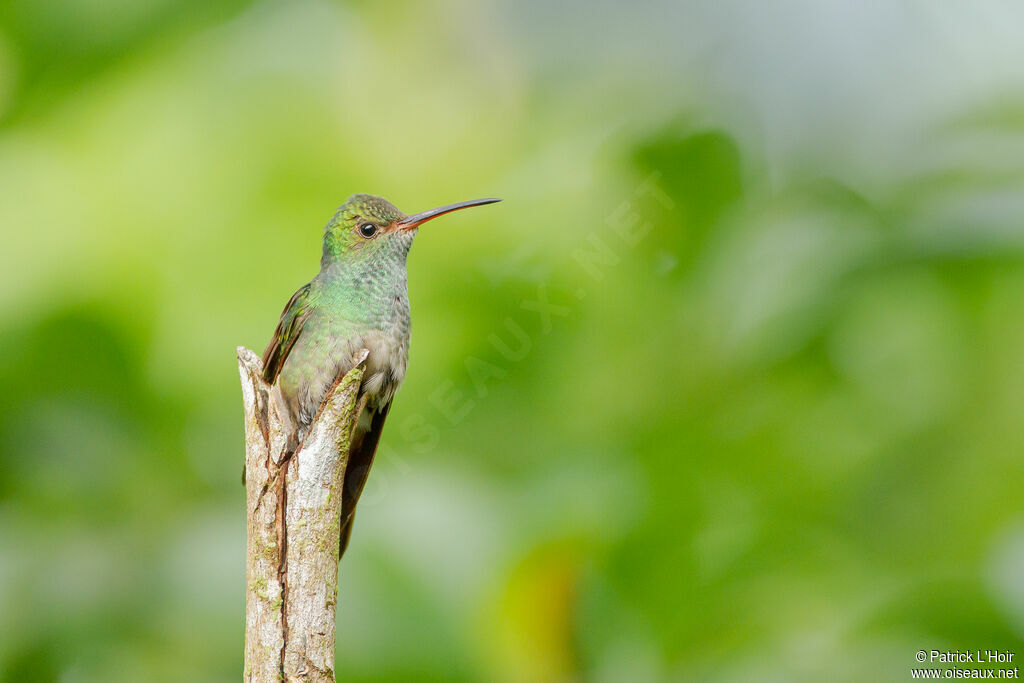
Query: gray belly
[(313, 367)]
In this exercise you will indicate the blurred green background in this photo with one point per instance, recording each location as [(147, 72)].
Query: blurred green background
[(771, 430)]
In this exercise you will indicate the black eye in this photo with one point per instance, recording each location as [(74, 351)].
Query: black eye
[(368, 230)]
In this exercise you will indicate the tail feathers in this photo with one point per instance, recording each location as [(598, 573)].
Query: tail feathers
[(346, 534), (360, 458)]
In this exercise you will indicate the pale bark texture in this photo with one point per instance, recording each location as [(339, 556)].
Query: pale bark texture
[(293, 502)]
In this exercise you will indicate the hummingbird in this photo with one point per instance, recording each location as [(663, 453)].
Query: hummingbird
[(359, 300)]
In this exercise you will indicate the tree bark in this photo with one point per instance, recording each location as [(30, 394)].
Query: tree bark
[(293, 502)]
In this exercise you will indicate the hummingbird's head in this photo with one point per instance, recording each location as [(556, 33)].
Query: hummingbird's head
[(367, 227)]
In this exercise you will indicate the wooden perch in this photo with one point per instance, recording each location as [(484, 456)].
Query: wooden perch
[(293, 502)]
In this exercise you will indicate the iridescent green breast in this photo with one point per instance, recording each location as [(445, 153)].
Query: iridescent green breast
[(360, 304)]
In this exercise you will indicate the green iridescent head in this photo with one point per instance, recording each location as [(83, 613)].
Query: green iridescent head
[(367, 227)]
